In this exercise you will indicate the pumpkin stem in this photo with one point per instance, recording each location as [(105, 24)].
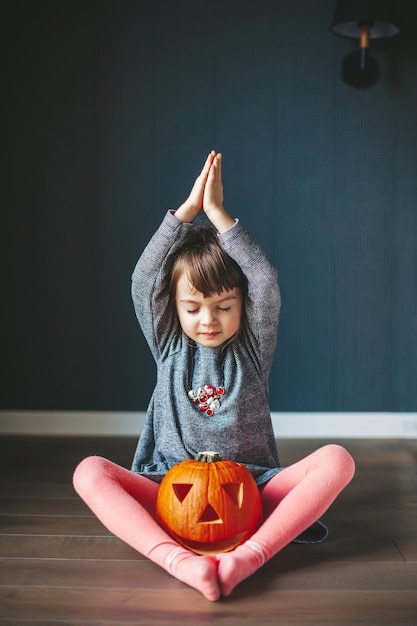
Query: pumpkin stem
[(208, 456)]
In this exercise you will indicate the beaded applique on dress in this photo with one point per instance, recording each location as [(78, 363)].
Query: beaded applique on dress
[(207, 398)]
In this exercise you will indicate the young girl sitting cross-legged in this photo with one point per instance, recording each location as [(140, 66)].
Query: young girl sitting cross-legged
[(208, 303)]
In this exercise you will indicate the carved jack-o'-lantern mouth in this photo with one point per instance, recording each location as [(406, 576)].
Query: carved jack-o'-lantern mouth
[(211, 547), (209, 507)]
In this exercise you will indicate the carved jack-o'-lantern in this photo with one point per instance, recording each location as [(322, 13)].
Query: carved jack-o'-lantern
[(209, 505)]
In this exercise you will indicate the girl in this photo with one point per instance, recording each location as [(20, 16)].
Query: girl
[(208, 304)]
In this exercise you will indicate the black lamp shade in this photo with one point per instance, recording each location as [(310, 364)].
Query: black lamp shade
[(350, 15)]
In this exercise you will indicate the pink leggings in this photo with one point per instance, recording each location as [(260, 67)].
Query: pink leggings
[(293, 500)]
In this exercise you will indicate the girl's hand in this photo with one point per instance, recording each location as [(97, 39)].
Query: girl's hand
[(194, 203), (213, 197), (213, 190)]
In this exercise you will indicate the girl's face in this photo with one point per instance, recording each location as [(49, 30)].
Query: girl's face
[(211, 320)]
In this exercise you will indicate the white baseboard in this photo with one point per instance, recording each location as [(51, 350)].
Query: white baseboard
[(288, 425)]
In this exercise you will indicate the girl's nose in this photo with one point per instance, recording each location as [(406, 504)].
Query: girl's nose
[(207, 317)]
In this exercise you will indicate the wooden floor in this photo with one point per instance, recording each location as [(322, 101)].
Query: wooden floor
[(58, 565)]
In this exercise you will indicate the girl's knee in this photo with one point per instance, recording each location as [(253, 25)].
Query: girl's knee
[(340, 461), (89, 473)]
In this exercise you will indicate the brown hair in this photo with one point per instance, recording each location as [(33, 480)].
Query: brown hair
[(206, 264)]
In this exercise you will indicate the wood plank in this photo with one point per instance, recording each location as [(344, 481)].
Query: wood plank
[(44, 506), (407, 546), (65, 547), (185, 606), (279, 573), (55, 452), (15, 488), (51, 525)]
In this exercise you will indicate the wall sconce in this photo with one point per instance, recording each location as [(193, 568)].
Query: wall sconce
[(363, 20)]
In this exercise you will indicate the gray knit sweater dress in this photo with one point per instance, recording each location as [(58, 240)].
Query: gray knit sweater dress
[(240, 426)]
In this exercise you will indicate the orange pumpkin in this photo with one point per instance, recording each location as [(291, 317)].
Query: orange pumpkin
[(209, 505)]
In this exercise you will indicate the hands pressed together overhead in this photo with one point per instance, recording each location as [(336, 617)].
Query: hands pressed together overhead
[(207, 195)]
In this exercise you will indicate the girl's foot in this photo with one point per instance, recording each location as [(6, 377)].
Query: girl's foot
[(199, 572), (238, 564)]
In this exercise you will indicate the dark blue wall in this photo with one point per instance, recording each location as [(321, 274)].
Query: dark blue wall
[(110, 108)]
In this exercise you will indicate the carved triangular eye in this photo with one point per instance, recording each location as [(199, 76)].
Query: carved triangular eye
[(181, 490), (235, 492)]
